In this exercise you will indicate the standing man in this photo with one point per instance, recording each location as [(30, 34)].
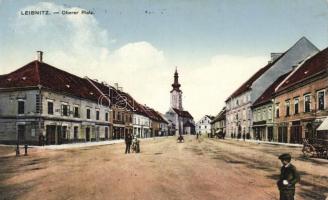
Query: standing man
[(288, 178), (128, 141)]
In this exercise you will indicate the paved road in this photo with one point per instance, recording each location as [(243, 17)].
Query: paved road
[(203, 169)]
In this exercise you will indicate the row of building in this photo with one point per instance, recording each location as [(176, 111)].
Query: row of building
[(41, 101), (285, 101)]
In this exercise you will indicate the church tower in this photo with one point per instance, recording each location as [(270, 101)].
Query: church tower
[(176, 93)]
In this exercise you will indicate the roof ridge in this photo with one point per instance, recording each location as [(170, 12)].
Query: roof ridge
[(294, 71), (269, 65)]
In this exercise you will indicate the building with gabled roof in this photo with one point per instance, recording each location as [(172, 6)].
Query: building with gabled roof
[(238, 105), (41, 103), (181, 119), (263, 112), (301, 100), (203, 126), (218, 124)]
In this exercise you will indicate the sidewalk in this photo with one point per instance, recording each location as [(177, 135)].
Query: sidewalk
[(82, 145), (266, 142)]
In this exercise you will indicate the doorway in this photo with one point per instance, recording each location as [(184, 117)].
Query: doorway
[(87, 134), (21, 134), (282, 134), (50, 134)]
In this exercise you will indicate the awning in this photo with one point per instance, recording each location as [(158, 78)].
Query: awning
[(324, 125), (218, 131)]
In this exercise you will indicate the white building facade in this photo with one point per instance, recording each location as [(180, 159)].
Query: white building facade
[(141, 125), (203, 126), (238, 105)]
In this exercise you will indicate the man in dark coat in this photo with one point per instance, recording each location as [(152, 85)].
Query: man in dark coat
[(128, 141), (288, 178)]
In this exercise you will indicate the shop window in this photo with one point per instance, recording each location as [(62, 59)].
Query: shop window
[(76, 129)]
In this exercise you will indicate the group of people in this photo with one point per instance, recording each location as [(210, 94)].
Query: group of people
[(131, 141)]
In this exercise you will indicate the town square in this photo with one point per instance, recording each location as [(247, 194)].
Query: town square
[(164, 100), (164, 169)]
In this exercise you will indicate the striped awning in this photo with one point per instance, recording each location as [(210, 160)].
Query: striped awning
[(324, 125)]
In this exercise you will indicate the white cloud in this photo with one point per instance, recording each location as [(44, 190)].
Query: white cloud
[(208, 86), (78, 44), (71, 39)]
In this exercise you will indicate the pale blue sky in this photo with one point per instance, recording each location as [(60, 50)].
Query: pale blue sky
[(200, 28), (184, 33)]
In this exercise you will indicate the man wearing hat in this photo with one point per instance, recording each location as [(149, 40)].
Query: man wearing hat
[(288, 178)]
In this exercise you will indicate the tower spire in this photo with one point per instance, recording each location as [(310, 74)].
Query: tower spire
[(176, 85)]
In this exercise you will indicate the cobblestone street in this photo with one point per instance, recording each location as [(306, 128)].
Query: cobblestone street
[(165, 169)]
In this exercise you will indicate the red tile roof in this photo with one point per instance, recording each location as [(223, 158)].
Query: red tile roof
[(154, 115), (37, 73), (247, 85), (119, 98), (183, 113), (123, 99), (315, 65), (269, 92)]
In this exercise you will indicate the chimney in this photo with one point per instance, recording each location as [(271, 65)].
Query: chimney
[(120, 89), (39, 56), (116, 85), (274, 56)]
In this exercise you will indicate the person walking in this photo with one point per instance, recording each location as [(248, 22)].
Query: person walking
[(128, 141), (41, 140), (288, 178)]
